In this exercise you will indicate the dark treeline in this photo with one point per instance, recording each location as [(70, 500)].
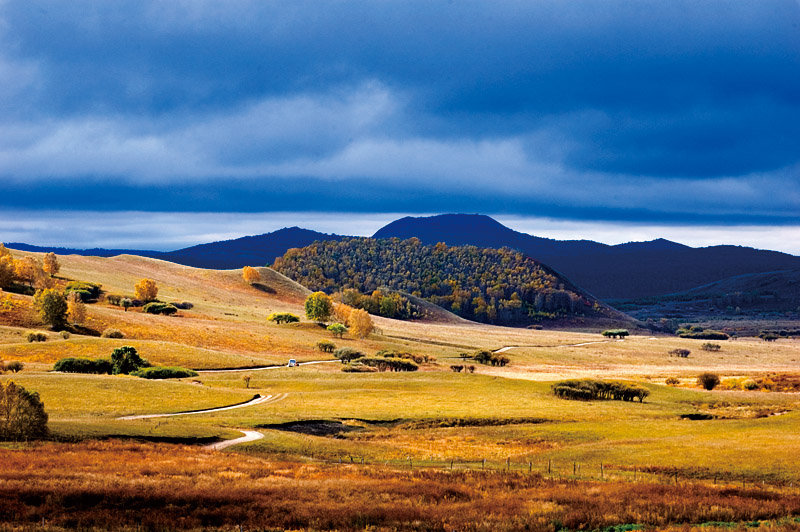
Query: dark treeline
[(489, 285)]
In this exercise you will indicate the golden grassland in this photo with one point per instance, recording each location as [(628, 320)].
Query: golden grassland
[(506, 416), (114, 485)]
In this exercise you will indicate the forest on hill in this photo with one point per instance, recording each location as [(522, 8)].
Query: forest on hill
[(489, 285)]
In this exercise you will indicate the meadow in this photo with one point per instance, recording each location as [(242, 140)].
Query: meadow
[(427, 450)]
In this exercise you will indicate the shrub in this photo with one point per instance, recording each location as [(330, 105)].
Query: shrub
[(389, 364), (183, 305), (100, 366), (160, 372), (708, 381), (14, 366), (471, 369), (127, 303), (683, 353), (346, 354), (65, 335), (768, 337), (37, 337), (487, 357), (672, 381), (419, 359), (708, 346), (22, 415), (615, 333), (698, 333), (750, 384), (157, 307), (337, 329), (114, 299), (358, 368), (590, 389), (125, 360), (457, 369), (326, 346), (112, 333), (283, 317), (87, 291)]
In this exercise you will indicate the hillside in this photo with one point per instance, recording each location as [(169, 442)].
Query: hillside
[(631, 270), (487, 285)]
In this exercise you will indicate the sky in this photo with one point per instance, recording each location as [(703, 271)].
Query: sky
[(609, 120)]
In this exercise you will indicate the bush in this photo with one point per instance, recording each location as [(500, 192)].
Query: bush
[(615, 333), (65, 335), (389, 364), (768, 337), (337, 329), (99, 366), (114, 299), (112, 333), (672, 381), (708, 346), (125, 359), (283, 317), (87, 291), (358, 368), (37, 337), (457, 369), (346, 354), (708, 381), (14, 366), (160, 372), (683, 353), (487, 357), (22, 415), (183, 305), (157, 307), (698, 333), (750, 384), (326, 346), (590, 389), (419, 359)]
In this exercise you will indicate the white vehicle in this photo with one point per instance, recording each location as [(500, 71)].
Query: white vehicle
[(292, 363)]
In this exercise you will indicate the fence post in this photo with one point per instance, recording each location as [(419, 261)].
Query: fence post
[(574, 468), (483, 464), (601, 469), (530, 467), (451, 464), (549, 466), (508, 464)]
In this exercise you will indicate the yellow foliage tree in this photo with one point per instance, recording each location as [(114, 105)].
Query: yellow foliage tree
[(51, 264), (250, 274), (76, 308), (146, 290), (360, 323), (6, 270), (341, 313), (28, 270)]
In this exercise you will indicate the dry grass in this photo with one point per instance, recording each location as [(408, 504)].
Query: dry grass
[(119, 485)]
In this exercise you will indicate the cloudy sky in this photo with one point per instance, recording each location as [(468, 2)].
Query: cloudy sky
[(628, 119)]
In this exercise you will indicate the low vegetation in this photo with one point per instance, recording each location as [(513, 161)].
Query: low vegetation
[(590, 389), (157, 307), (708, 381), (84, 365), (283, 317), (616, 333), (160, 372), (699, 333), (489, 358)]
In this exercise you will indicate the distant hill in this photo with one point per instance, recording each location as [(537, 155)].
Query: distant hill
[(500, 286), (92, 252), (631, 270)]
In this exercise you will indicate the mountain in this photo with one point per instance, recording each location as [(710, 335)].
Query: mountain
[(500, 286), (93, 252), (624, 271), (246, 251)]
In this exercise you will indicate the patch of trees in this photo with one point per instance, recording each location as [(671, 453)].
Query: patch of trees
[(616, 333), (380, 303), (157, 307), (389, 364), (124, 361), (325, 346), (489, 358), (768, 336), (683, 353), (699, 333), (591, 389), (85, 290), (347, 354), (99, 366), (22, 415), (488, 285), (283, 317), (164, 372)]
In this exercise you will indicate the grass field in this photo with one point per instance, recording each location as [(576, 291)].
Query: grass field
[(397, 423)]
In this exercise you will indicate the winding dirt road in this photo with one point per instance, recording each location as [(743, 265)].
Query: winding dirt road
[(249, 435), (259, 400)]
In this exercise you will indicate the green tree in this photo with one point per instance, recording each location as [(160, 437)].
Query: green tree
[(337, 329), (319, 307), (52, 307), (22, 415), (125, 359)]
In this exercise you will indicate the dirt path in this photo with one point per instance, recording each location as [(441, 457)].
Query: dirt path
[(509, 347), (259, 400), (249, 435), (261, 368)]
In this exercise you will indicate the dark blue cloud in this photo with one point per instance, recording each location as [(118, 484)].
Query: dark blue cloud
[(647, 92)]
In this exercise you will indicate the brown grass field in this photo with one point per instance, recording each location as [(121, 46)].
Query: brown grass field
[(493, 450)]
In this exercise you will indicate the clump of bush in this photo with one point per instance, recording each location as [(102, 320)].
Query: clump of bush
[(162, 372), (347, 354), (15, 366), (100, 366), (740, 383), (708, 346), (283, 317), (359, 368), (615, 333), (465, 369), (672, 381), (112, 333), (87, 291), (419, 359), (183, 305), (157, 307), (487, 357), (683, 353), (389, 364), (768, 336), (337, 329), (698, 333), (126, 360), (708, 381), (114, 299), (65, 335), (37, 337), (326, 346), (591, 389)]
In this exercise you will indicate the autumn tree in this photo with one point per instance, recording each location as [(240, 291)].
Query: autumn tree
[(50, 264), (52, 307), (6, 267), (250, 274), (22, 415), (76, 308), (341, 313), (146, 290), (27, 270), (319, 307), (360, 323)]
